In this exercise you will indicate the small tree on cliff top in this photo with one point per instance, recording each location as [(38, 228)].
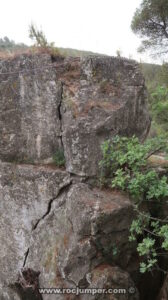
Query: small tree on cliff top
[(40, 40), (150, 21), (38, 37)]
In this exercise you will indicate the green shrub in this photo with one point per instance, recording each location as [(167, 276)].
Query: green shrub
[(159, 106), (124, 166), (59, 158)]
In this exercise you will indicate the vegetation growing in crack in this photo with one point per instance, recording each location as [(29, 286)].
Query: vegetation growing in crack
[(125, 166), (59, 158)]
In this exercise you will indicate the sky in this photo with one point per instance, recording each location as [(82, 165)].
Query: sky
[(101, 26)]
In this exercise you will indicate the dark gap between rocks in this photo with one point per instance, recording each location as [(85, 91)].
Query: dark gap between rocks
[(27, 285)]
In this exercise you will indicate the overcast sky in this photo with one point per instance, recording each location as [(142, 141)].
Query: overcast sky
[(101, 26)]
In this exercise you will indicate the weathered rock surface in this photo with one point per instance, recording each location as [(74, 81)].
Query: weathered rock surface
[(109, 277), (29, 101), (91, 228), (102, 96), (81, 230), (26, 193), (83, 100), (55, 230)]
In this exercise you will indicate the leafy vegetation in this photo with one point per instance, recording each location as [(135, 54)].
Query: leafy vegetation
[(125, 166), (159, 106), (150, 21), (156, 78), (59, 158)]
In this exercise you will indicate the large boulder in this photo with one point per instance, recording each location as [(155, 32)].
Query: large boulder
[(91, 228), (55, 229), (58, 231), (72, 104), (102, 97)]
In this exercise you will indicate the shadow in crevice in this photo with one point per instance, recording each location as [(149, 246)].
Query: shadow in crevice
[(27, 285)]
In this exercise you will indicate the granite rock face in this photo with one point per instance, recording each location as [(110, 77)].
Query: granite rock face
[(29, 101), (102, 97), (82, 231), (74, 104), (26, 193), (55, 229)]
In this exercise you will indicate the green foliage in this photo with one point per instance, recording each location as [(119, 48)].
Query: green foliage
[(156, 78), (59, 158), (159, 106), (124, 166), (152, 75), (150, 21), (163, 74), (152, 234)]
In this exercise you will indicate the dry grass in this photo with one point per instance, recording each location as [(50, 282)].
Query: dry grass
[(28, 51)]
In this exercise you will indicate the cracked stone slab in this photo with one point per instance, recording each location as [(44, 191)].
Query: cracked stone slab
[(25, 194), (83, 232), (73, 104), (102, 97)]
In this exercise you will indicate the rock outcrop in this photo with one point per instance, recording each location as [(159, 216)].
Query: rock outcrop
[(55, 229), (72, 103)]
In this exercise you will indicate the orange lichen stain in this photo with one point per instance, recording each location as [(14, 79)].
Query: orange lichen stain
[(101, 104), (107, 88), (51, 259), (66, 240), (91, 105)]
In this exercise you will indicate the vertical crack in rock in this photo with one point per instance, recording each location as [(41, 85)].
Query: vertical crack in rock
[(26, 256), (62, 190), (27, 285), (47, 212), (60, 115)]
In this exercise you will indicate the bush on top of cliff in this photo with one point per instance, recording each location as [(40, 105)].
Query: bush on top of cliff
[(125, 166)]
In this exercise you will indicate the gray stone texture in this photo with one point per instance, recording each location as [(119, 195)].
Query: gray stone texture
[(102, 97), (25, 195), (71, 103), (29, 100), (79, 235), (51, 220)]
